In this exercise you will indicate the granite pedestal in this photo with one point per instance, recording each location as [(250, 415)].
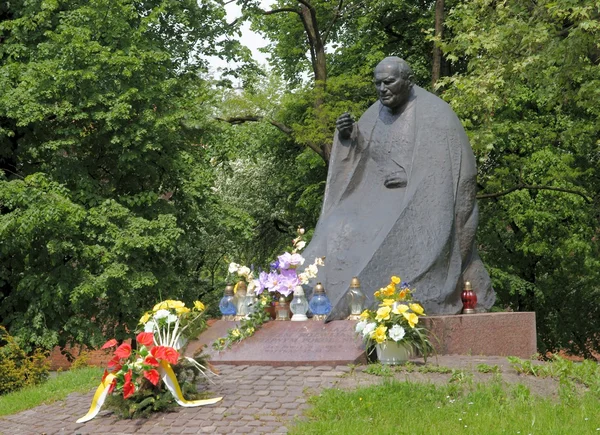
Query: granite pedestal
[(334, 343)]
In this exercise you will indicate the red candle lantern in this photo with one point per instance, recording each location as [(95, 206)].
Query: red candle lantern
[(469, 299)]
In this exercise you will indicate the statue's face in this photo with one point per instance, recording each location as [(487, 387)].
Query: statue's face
[(393, 90)]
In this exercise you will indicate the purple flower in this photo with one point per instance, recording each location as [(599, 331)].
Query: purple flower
[(288, 280), (261, 282), (273, 283), (287, 260), (404, 284), (274, 265)]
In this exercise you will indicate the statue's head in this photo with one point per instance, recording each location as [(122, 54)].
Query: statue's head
[(393, 79)]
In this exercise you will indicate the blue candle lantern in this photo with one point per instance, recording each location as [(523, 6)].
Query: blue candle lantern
[(226, 305), (319, 304)]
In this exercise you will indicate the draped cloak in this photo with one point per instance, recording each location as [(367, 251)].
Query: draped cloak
[(424, 230)]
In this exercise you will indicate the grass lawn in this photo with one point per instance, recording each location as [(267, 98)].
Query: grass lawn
[(456, 408), (56, 388)]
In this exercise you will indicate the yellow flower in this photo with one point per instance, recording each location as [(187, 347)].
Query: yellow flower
[(417, 309), (235, 332), (181, 310), (402, 295), (145, 318), (395, 280), (168, 304), (383, 314), (400, 309), (250, 330), (199, 306), (387, 302), (379, 334), (389, 290), (412, 318), (364, 315), (377, 293)]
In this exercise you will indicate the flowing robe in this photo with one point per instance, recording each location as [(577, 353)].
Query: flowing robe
[(424, 230)]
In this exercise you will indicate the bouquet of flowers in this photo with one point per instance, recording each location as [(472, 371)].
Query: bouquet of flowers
[(395, 319), (172, 323), (138, 380)]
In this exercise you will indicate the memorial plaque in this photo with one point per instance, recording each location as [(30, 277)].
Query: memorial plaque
[(288, 344)]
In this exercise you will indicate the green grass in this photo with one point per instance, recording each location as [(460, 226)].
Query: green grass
[(457, 408), (56, 388)]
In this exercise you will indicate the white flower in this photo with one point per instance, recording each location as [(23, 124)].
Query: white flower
[(243, 271), (360, 326), (368, 329), (319, 261), (149, 326), (303, 277), (296, 260), (172, 318), (397, 333), (233, 267), (300, 245), (160, 314), (311, 271), (252, 285), (300, 231)]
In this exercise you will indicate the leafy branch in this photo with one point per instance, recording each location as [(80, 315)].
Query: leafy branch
[(523, 186)]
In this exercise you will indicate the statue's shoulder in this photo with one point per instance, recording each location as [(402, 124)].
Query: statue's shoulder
[(433, 107)]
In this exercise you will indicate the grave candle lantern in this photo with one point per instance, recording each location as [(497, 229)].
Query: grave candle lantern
[(241, 306), (282, 309), (356, 300), (469, 299), (299, 305), (226, 304), (319, 304)]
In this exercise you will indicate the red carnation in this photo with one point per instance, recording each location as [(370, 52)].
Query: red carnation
[(123, 351), (110, 343), (152, 376), (145, 338), (151, 361), (104, 375)]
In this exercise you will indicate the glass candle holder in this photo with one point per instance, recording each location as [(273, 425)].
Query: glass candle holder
[(240, 301), (282, 310), (299, 305), (319, 303), (356, 300), (226, 304)]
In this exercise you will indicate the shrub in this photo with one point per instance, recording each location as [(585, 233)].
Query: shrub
[(18, 368)]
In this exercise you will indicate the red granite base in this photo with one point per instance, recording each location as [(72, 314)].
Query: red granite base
[(334, 343), (287, 344), (490, 334)]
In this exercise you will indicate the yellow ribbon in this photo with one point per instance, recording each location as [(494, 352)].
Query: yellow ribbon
[(170, 380), (98, 399), (168, 377)]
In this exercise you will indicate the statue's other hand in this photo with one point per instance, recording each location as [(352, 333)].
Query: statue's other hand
[(344, 125), (395, 180)]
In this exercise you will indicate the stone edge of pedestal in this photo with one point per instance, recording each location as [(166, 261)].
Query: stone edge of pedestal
[(488, 334)]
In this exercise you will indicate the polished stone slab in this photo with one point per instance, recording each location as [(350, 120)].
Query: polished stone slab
[(288, 344), (334, 343)]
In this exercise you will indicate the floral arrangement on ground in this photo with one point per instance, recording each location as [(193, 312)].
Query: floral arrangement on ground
[(281, 280), (155, 376), (396, 319)]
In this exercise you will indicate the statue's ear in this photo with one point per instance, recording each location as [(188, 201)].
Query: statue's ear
[(411, 80)]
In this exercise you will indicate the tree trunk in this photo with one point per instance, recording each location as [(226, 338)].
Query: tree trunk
[(437, 53)]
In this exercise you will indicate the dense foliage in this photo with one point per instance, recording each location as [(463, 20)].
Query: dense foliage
[(19, 369), (103, 162), (529, 100)]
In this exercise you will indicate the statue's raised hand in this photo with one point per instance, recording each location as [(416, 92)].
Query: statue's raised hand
[(344, 125)]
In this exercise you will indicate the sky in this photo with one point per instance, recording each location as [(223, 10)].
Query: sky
[(249, 38)]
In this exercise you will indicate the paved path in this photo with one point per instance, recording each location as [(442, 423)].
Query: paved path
[(256, 400)]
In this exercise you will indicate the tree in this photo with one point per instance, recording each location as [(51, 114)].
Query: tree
[(529, 102), (104, 170)]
